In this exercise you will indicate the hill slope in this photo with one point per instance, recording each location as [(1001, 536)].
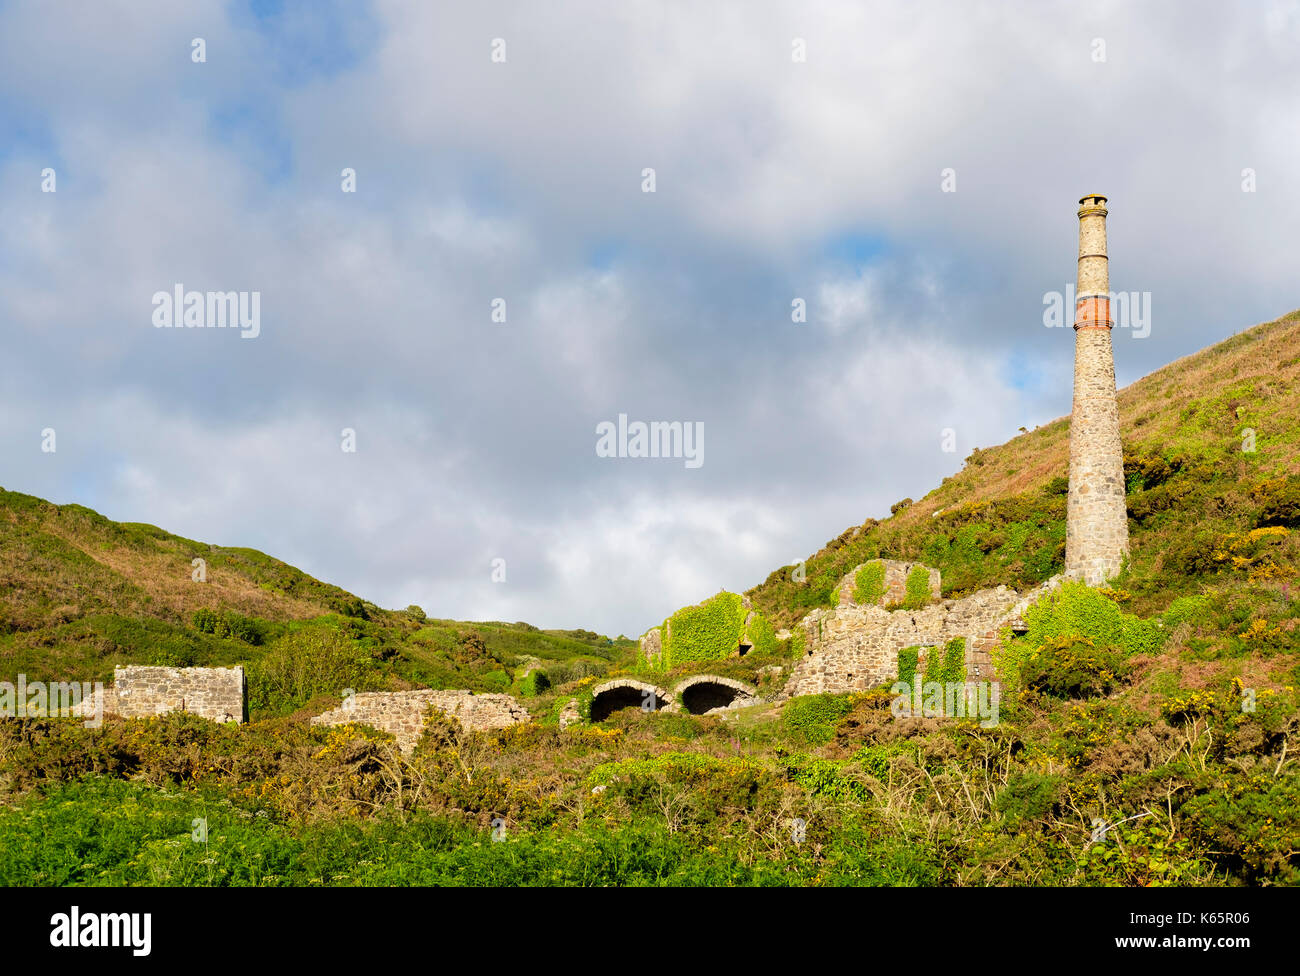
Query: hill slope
[(1127, 751), (1197, 493), (80, 593)]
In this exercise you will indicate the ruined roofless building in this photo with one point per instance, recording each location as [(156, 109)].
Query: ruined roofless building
[(1096, 527)]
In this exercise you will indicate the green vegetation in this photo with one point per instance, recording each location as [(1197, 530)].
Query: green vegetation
[(908, 658), (811, 719), (714, 631), (709, 631), (1078, 642), (534, 683), (1166, 704), (672, 799), (916, 593), (947, 665), (96, 594), (1205, 514), (869, 583), (762, 637)]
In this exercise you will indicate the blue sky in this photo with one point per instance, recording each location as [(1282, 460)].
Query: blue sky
[(521, 180)]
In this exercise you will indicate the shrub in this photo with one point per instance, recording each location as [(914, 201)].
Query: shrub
[(1029, 796), (1078, 610), (1256, 826), (1073, 667), (1279, 501), (229, 624), (869, 583), (301, 666), (827, 778), (811, 719), (496, 681), (878, 757), (575, 670), (1186, 609)]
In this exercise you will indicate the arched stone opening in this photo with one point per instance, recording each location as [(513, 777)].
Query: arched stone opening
[(704, 693), (612, 697)]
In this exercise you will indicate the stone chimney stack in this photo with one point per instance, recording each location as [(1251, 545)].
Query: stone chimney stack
[(1096, 528)]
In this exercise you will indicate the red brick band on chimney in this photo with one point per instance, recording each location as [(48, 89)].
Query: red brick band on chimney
[(1093, 313)]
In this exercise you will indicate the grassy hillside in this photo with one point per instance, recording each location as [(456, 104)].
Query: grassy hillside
[(1146, 736), (80, 594), (1196, 499)]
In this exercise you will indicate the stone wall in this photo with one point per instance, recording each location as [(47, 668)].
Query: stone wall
[(652, 644), (402, 713), (895, 583), (140, 692), (853, 647)]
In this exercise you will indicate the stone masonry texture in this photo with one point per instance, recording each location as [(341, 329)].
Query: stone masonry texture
[(1096, 537), (403, 713), (854, 647), (140, 692)]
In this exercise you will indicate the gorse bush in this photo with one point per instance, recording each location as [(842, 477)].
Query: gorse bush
[(230, 624), (1073, 667), (1279, 501), (812, 719), (303, 665)]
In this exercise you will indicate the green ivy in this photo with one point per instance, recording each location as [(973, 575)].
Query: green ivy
[(762, 635), (869, 583), (1078, 610), (917, 588), (948, 667), (798, 642), (709, 631), (907, 660)]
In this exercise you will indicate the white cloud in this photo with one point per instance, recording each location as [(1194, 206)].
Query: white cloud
[(478, 181)]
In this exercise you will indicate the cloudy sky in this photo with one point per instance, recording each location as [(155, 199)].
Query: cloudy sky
[(522, 179)]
